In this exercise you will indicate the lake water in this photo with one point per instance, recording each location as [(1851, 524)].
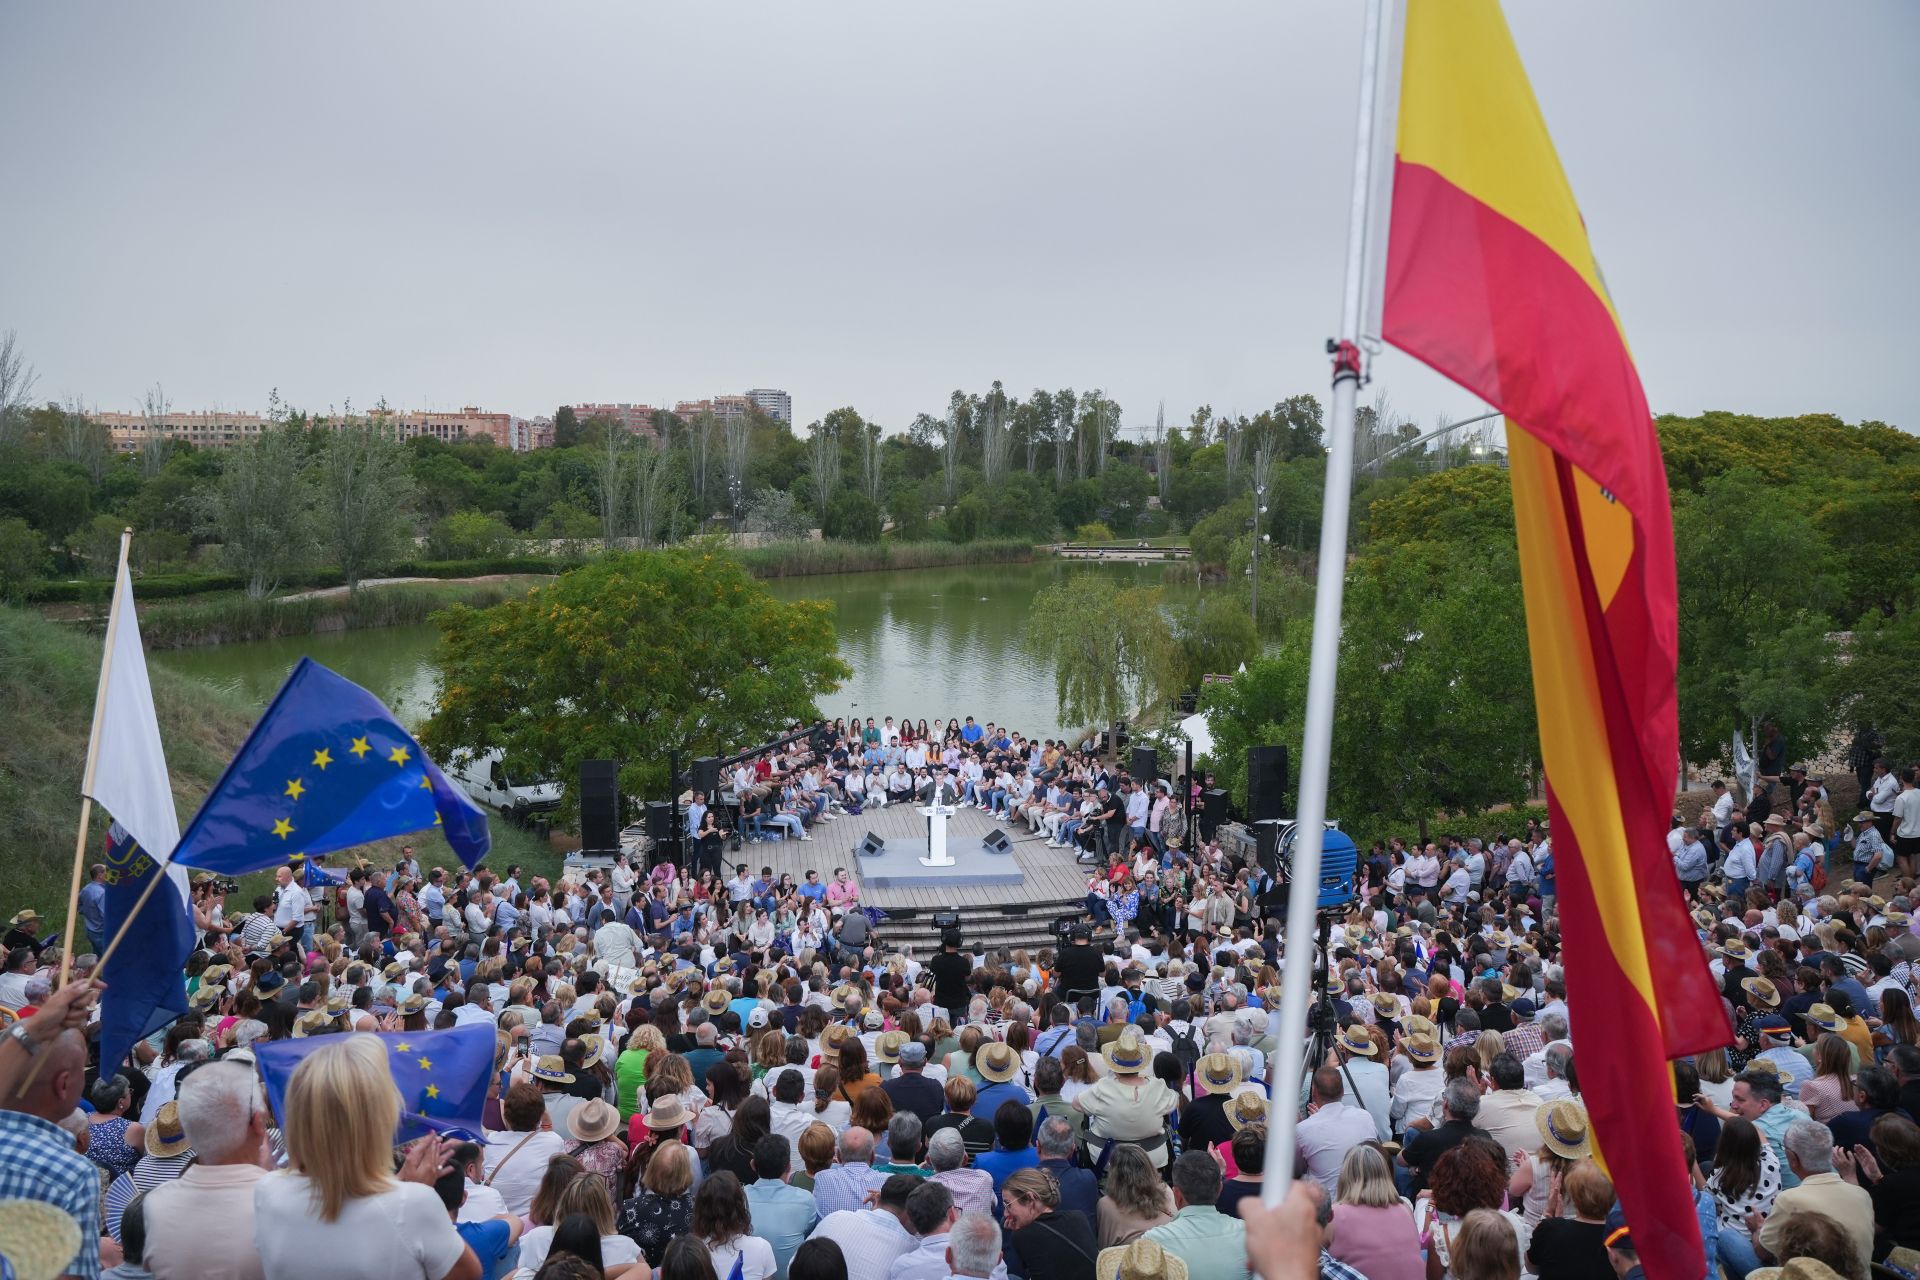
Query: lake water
[(923, 643)]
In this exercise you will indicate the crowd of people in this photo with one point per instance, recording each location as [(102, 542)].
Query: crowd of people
[(704, 1076)]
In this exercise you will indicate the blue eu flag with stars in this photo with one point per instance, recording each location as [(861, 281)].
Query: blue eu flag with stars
[(327, 767), (442, 1075)]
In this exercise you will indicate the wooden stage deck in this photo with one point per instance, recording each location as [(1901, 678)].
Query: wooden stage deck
[(1051, 875)]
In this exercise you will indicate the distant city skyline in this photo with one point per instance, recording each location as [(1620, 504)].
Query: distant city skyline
[(873, 204)]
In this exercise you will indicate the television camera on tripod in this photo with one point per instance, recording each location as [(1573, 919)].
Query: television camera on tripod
[(1339, 865)]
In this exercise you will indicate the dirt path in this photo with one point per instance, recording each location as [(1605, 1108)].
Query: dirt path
[(323, 592)]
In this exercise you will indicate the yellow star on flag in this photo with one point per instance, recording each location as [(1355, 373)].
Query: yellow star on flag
[(426, 783), (436, 818), (323, 758), (282, 828), (433, 1091), (426, 1064), (399, 755), (360, 748), (403, 1047), (295, 788)]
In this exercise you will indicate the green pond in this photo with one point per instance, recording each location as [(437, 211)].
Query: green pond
[(925, 643)]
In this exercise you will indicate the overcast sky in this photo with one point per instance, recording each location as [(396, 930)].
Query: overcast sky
[(871, 204)]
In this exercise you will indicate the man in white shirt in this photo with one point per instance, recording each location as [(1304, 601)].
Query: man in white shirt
[(225, 1119), (1722, 804), (1506, 1110), (1741, 866), (614, 943), (1331, 1129), (973, 1244), (871, 1239), (290, 906)]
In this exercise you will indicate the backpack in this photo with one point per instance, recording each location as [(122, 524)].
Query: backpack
[(1818, 877), (1185, 1048)]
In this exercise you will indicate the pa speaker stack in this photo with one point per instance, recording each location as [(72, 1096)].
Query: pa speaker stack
[(600, 806), (659, 820), (706, 775), (1213, 809), (1146, 765), (1266, 783)]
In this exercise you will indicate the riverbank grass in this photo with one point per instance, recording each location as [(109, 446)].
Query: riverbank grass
[(48, 675)]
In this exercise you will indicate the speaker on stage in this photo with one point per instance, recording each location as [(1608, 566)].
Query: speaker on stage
[(1266, 843), (659, 819), (706, 775), (600, 806), (997, 842), (1266, 783), (870, 847), (1213, 809), (1146, 765)]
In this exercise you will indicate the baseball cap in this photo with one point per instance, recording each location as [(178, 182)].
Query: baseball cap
[(757, 1019)]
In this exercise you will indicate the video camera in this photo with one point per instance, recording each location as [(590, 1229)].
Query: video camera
[(1071, 929)]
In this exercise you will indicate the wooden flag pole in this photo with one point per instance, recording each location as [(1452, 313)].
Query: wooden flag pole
[(93, 759)]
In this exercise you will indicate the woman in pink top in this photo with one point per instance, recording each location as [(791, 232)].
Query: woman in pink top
[(1830, 1092), (1373, 1229)]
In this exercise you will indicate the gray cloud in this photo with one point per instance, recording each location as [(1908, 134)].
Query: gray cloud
[(873, 203)]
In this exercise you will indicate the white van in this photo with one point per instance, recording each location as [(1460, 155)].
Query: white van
[(484, 777)]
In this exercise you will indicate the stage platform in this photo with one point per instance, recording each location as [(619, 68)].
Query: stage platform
[(1049, 885)]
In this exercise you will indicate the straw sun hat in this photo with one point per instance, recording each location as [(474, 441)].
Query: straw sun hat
[(166, 1136), (1218, 1073), (1563, 1128), (996, 1062), (37, 1240), (1139, 1259), (593, 1121)]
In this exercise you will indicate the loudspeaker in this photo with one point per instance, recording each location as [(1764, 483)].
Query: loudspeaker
[(599, 806), (1146, 764), (1266, 783), (997, 842), (1266, 844), (1213, 808), (870, 847), (706, 775), (659, 819)]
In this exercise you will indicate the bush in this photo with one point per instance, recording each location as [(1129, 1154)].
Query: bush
[(1093, 531), (853, 517), (467, 535)]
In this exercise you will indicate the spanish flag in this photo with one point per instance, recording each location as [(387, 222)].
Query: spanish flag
[(1490, 280)]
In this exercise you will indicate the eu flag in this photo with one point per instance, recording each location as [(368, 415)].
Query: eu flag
[(327, 767), (442, 1075), (146, 991)]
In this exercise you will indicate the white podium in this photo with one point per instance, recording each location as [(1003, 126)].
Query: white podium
[(937, 815)]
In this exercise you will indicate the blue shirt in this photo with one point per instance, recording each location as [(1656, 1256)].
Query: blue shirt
[(989, 1097), (1001, 1164), (1079, 1189), (845, 1186), (93, 908), (491, 1243), (972, 733), (783, 1215), (815, 892), (38, 1162)]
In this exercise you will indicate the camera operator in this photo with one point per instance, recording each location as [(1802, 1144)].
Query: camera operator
[(1080, 964), (951, 974)]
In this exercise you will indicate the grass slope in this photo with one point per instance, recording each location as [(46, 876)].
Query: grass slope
[(48, 674)]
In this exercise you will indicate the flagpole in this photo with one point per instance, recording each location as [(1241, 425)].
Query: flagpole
[(93, 758), (1297, 974)]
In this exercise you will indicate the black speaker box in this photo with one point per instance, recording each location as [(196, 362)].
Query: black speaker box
[(997, 842), (659, 819), (1146, 765), (870, 846), (1266, 783), (706, 775), (599, 805)]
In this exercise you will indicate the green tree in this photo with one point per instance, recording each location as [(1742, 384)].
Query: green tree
[(1124, 490), (1755, 581), (967, 519), (1880, 683), (261, 508), (1110, 646), (1213, 636), (773, 512), (627, 658), (468, 535), (23, 557), (853, 516), (1077, 503), (363, 492), (566, 427), (907, 508)]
